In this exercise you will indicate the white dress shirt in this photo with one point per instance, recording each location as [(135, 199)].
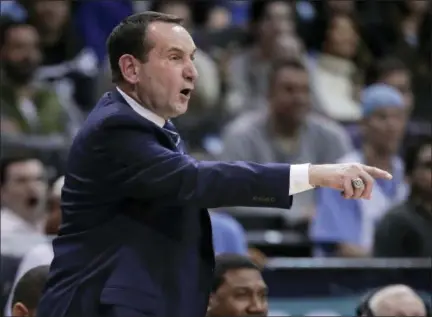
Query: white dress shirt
[(17, 235), (299, 176)]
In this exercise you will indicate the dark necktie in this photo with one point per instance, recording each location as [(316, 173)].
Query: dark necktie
[(173, 133)]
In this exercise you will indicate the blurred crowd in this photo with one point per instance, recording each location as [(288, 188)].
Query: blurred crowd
[(280, 81)]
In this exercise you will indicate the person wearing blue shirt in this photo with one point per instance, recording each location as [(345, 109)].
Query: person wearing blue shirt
[(344, 227)]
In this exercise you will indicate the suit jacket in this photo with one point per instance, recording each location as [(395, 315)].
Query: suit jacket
[(135, 230)]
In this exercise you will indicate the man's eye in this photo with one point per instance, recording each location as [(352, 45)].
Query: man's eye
[(175, 58)]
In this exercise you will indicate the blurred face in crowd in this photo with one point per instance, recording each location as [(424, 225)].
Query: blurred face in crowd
[(384, 129), (165, 81), (51, 15), (20, 54), (243, 293), (421, 179), (288, 47), (345, 6), (179, 9), (342, 37), (401, 80), (277, 20), (289, 96), (24, 189)]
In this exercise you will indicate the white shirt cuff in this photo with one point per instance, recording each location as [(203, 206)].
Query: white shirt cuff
[(299, 179)]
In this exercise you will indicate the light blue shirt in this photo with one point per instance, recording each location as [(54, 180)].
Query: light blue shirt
[(228, 235), (340, 220)]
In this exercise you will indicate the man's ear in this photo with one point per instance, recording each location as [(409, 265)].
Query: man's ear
[(20, 310), (129, 68)]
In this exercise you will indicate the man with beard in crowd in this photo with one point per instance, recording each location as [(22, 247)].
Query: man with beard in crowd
[(31, 115)]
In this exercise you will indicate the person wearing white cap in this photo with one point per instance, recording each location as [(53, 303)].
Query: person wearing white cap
[(346, 227), (43, 253)]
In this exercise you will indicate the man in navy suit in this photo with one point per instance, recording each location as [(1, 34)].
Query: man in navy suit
[(136, 238)]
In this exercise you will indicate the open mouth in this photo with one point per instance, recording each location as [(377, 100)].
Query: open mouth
[(186, 92), (32, 202)]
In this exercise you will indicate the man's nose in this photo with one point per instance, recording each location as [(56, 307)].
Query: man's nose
[(257, 307), (190, 72)]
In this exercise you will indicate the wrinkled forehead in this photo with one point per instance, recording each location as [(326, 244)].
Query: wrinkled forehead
[(31, 168), (165, 36)]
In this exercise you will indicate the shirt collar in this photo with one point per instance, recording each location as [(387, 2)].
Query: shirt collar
[(143, 112)]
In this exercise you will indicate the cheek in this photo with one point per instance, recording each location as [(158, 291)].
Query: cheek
[(235, 306)]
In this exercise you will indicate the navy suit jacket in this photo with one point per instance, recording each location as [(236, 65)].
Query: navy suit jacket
[(135, 231)]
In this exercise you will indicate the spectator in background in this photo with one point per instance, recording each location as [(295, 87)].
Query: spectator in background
[(248, 70), (23, 200), (28, 292), (238, 288), (406, 230), (405, 31), (334, 70), (392, 71), (346, 227), (69, 65), (285, 132), (289, 47), (43, 253), (393, 300), (95, 20), (400, 28), (220, 17), (32, 117)]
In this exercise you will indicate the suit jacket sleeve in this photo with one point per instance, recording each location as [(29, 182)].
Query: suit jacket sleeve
[(141, 167)]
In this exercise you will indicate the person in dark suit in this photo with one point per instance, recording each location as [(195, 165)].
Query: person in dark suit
[(136, 238)]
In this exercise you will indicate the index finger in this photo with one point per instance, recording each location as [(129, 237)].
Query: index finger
[(377, 173)]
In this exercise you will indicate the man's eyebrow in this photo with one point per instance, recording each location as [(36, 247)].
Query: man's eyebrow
[(175, 49), (179, 50)]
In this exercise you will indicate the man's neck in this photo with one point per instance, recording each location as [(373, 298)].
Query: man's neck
[(141, 107), (379, 159), (284, 129)]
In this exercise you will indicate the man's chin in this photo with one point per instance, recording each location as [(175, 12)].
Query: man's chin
[(179, 109)]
